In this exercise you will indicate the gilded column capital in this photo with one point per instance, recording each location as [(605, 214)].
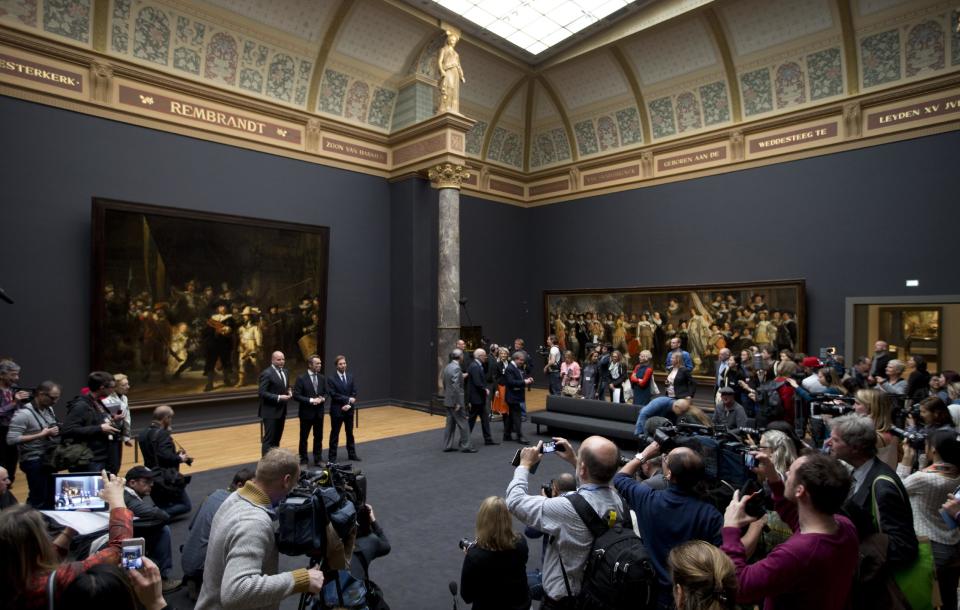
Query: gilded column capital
[(447, 176), (313, 135)]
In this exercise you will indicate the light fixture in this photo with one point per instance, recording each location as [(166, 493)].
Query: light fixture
[(913, 283)]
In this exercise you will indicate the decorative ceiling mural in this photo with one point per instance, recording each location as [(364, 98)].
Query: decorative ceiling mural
[(306, 19), (757, 25), (671, 51), (588, 80)]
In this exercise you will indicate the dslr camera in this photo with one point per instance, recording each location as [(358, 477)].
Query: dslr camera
[(831, 404), (466, 543), (917, 439)]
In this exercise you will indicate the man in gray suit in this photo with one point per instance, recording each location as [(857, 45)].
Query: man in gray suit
[(453, 401)]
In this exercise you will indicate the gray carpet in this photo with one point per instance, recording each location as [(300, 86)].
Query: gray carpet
[(425, 500)]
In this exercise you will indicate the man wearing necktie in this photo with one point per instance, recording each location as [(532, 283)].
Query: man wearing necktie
[(343, 397), (310, 392), (274, 393)]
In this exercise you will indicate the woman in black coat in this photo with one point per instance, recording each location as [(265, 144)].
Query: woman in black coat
[(494, 574)]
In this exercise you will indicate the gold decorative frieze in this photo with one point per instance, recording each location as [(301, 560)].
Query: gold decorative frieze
[(809, 135), (907, 114), (40, 73), (183, 109)]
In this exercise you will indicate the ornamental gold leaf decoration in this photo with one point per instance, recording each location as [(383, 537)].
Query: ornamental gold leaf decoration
[(448, 176)]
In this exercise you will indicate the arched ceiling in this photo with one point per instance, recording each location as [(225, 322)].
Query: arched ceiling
[(649, 77)]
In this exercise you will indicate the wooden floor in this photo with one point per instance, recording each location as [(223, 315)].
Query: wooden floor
[(239, 445)]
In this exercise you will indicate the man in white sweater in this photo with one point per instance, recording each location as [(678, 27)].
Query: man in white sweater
[(242, 557)]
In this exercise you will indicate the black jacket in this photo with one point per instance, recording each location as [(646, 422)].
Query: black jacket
[(683, 384), (894, 514), (496, 579), (156, 445), (476, 386), (303, 391), (148, 516), (516, 384), (84, 417)]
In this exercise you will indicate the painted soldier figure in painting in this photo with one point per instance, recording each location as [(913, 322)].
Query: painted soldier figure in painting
[(218, 345)]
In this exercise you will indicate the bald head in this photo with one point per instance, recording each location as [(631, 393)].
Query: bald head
[(684, 468), (162, 413), (277, 359), (597, 460)]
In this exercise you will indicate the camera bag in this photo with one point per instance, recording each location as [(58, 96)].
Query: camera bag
[(618, 574)]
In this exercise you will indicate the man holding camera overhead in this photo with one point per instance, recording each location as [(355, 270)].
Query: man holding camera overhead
[(690, 517)]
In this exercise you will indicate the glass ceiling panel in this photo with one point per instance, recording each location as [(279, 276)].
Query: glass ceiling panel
[(533, 25)]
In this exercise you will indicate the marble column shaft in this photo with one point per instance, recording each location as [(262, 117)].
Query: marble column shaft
[(448, 278)]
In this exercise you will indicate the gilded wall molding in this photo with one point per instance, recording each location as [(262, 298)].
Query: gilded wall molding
[(631, 77), (504, 102), (564, 117), (320, 63), (723, 45), (849, 34)]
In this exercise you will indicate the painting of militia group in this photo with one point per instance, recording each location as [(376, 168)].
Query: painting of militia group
[(193, 306), (706, 320)]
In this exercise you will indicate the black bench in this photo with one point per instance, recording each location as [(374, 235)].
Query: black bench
[(588, 417)]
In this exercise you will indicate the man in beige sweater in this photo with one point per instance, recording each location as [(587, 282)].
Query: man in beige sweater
[(242, 557)]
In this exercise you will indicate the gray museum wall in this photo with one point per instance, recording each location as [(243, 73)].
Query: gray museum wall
[(857, 223), (53, 162)]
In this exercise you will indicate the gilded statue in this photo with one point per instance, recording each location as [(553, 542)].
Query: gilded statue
[(451, 75)]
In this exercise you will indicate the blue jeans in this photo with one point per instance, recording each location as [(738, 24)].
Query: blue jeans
[(160, 551), (181, 506), (659, 406), (40, 484)]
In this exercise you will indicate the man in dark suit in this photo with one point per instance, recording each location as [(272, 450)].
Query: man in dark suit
[(343, 396), (853, 439), (310, 392), (881, 358), (477, 393), (516, 384), (274, 394)]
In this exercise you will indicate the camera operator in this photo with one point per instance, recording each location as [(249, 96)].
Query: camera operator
[(926, 488), (160, 454), (595, 464), (672, 516), (816, 566), (34, 429), (371, 543), (242, 557), (497, 556)]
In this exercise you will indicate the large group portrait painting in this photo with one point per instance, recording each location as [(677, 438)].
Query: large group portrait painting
[(705, 319), (190, 304)]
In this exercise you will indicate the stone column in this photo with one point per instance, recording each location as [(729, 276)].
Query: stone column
[(447, 178)]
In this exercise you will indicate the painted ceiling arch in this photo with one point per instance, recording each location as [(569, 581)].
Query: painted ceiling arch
[(371, 64)]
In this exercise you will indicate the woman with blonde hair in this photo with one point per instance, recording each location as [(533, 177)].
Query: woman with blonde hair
[(118, 406), (703, 576), (875, 404), (494, 570)]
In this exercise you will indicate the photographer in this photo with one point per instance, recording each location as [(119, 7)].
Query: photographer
[(690, 518), (88, 423), (151, 522), (497, 556), (816, 566), (557, 487), (729, 413), (595, 464), (926, 488), (11, 397), (35, 430), (242, 558), (160, 454)]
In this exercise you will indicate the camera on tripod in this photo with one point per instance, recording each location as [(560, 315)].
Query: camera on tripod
[(327, 496)]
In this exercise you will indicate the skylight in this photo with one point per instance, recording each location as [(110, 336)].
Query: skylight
[(533, 25)]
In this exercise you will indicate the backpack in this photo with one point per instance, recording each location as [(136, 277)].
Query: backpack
[(769, 404), (618, 574)]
